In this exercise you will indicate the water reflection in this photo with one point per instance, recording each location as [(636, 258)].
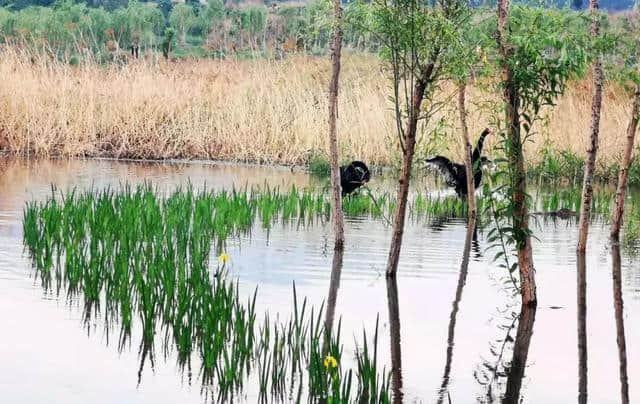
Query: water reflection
[(431, 267), (471, 235), (394, 333), (334, 285), (491, 373), (520, 354), (501, 374), (582, 327), (618, 305)]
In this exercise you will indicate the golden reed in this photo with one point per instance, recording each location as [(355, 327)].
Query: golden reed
[(254, 110)]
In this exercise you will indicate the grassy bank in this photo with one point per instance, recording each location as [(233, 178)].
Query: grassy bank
[(255, 110)]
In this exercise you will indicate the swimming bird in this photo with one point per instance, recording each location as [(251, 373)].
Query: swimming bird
[(353, 176), (455, 174)]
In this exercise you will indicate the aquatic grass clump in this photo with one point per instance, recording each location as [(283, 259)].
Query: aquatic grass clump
[(631, 235), (422, 205), (443, 206), (570, 198), (135, 257)]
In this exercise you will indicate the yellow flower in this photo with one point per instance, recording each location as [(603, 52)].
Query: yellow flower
[(224, 258), (330, 362)]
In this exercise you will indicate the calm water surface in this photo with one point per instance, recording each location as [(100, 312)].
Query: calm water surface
[(48, 354)]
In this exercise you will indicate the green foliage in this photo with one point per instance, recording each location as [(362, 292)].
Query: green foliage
[(319, 164), (544, 49), (549, 48), (213, 12), (182, 19), (623, 64), (133, 256), (167, 42), (71, 27), (558, 165)]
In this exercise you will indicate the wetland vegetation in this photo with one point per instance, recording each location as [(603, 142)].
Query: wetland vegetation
[(228, 278)]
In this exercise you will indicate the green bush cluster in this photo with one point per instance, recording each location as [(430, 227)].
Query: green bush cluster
[(70, 29)]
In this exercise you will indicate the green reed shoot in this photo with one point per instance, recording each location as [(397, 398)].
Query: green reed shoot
[(147, 260)]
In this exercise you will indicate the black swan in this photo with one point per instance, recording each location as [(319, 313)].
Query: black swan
[(353, 176), (455, 174)]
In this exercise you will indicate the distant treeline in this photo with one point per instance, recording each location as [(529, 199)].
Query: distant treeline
[(166, 5), (76, 29), (108, 29)]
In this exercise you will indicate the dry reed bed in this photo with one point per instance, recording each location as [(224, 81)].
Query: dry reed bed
[(258, 110)]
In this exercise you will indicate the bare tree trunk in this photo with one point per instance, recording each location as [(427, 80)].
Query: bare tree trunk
[(405, 176), (471, 189), (596, 107), (618, 305), (338, 225), (582, 328), (394, 334), (515, 155), (624, 169), (585, 213)]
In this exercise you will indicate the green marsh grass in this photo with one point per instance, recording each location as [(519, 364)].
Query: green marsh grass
[(135, 257)]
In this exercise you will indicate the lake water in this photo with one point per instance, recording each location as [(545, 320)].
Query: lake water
[(48, 354)]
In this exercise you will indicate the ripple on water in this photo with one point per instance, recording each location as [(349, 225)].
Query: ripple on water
[(429, 276)]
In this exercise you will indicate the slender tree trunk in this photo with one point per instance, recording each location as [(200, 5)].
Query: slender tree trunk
[(582, 329), (585, 213), (471, 190), (515, 155), (405, 176), (618, 305), (624, 169), (338, 226), (596, 108), (394, 335)]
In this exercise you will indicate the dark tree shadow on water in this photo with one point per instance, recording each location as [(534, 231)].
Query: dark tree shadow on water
[(334, 285), (394, 330), (618, 304), (471, 236), (501, 374), (520, 354), (582, 327)]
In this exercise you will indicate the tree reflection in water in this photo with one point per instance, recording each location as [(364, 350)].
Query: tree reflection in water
[(471, 236), (394, 329), (618, 305)]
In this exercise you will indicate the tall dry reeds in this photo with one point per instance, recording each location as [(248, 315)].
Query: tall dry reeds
[(253, 110)]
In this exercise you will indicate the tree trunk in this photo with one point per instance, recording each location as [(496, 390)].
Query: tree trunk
[(585, 213), (394, 337), (582, 328), (471, 190), (624, 169), (596, 107), (515, 156), (405, 176), (338, 226)]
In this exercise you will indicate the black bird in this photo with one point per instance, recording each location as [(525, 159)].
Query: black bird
[(353, 176), (455, 174)]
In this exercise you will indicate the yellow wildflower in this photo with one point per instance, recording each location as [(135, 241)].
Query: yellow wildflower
[(224, 258), (330, 362)]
